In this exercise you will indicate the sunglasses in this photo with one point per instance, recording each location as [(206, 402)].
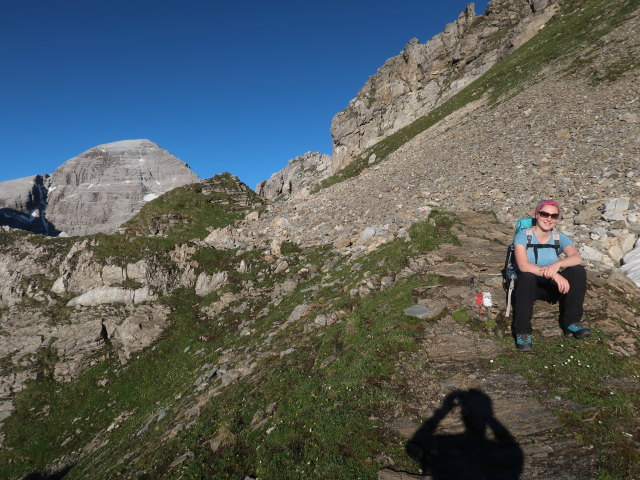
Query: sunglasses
[(544, 214)]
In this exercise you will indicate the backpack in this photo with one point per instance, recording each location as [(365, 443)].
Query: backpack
[(510, 270)]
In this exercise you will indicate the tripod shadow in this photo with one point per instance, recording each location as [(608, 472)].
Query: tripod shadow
[(471, 454)]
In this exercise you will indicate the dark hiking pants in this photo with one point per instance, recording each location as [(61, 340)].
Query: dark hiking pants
[(530, 287)]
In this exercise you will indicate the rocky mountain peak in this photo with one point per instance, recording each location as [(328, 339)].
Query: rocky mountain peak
[(423, 76), (95, 191)]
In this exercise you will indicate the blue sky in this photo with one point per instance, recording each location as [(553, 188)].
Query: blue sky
[(225, 86)]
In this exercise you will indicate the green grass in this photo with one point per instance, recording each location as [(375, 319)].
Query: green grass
[(324, 392), (427, 236), (578, 25), (584, 372), (194, 208), (461, 316)]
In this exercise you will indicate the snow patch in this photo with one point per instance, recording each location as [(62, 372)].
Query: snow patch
[(631, 264), (150, 196)]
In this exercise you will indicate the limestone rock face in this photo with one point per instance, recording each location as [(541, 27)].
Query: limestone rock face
[(23, 202), (423, 76), (302, 172), (103, 187)]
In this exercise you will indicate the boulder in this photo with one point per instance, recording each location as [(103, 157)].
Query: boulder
[(206, 284), (102, 295), (139, 330)]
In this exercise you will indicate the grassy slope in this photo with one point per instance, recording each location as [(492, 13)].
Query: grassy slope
[(326, 397), (320, 414)]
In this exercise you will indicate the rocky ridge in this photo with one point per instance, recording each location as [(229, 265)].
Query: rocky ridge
[(564, 138), (423, 76), (64, 299), (296, 179)]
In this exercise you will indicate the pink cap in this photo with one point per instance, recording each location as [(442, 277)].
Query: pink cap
[(544, 203)]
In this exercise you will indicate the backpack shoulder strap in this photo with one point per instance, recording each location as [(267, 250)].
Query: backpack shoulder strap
[(529, 232)]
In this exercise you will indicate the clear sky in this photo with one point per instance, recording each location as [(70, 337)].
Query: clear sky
[(225, 86)]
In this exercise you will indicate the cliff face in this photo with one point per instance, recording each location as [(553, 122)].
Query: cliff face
[(302, 173), (23, 202), (103, 187), (425, 75)]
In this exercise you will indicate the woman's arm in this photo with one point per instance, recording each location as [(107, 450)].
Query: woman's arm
[(571, 259), (520, 252), (550, 271)]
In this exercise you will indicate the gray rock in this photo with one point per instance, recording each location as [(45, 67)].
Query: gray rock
[(297, 313), (102, 295), (105, 186), (206, 284), (617, 205), (419, 311), (181, 458), (301, 173), (423, 76), (139, 330), (206, 376), (631, 264)]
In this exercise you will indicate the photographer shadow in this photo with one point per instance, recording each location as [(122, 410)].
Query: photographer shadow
[(471, 454)]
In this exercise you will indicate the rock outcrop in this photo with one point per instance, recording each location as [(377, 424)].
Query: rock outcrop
[(297, 178), (23, 203), (423, 76), (103, 187)]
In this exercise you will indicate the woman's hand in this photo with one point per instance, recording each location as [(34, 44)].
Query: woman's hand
[(550, 270), (561, 282)]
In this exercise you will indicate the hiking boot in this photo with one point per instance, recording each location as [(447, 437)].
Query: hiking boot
[(524, 343), (577, 330)]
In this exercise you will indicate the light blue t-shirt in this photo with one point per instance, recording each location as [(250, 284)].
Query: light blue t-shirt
[(546, 256)]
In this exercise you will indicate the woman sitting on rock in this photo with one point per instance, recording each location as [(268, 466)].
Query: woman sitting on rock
[(536, 252)]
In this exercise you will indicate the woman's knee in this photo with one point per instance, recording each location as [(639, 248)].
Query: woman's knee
[(526, 279), (577, 272)]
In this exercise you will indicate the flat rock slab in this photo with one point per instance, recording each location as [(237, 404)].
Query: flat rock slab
[(457, 270), (449, 341), (425, 311), (457, 409), (387, 474)]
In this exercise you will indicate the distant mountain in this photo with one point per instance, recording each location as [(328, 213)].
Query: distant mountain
[(95, 191)]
